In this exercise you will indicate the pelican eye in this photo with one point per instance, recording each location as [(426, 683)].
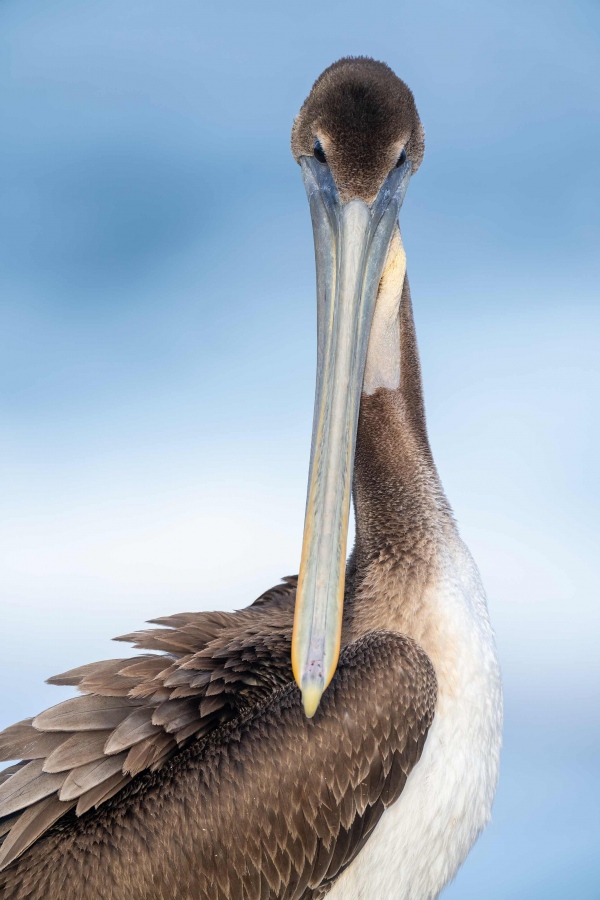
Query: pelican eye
[(401, 159), (319, 152)]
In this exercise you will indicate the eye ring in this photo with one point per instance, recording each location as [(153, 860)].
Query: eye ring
[(401, 159), (318, 151)]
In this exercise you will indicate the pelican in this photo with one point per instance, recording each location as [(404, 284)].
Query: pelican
[(341, 735)]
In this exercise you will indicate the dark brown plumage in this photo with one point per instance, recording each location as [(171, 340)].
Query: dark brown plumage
[(364, 115)]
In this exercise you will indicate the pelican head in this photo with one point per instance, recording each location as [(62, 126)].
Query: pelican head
[(358, 140)]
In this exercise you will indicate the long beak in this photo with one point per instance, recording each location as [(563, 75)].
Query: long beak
[(351, 245)]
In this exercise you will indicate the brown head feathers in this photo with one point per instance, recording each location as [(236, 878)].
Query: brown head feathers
[(363, 116)]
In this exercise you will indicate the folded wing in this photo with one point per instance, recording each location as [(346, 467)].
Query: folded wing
[(268, 806), (204, 669)]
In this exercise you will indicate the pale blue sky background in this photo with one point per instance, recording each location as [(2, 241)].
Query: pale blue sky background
[(157, 344)]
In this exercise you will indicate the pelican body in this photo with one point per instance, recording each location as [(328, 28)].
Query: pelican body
[(341, 735)]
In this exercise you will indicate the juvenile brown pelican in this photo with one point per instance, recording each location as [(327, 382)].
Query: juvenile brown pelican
[(193, 771)]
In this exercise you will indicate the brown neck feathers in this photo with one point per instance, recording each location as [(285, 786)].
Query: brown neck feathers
[(399, 503)]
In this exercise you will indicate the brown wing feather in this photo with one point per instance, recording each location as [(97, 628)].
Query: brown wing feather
[(77, 750), (271, 805), (135, 713), (35, 820), (28, 785), (23, 741)]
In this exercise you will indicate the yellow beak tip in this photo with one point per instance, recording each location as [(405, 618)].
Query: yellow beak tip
[(311, 697)]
